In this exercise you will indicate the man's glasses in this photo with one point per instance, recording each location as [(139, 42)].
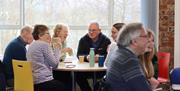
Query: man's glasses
[(143, 36), (92, 30)]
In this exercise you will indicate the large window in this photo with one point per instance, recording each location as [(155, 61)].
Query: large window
[(9, 12), (71, 12), (126, 11), (75, 13)]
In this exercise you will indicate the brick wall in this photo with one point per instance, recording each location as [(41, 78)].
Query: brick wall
[(166, 27)]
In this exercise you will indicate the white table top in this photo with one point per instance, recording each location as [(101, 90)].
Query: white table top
[(79, 67), (72, 64)]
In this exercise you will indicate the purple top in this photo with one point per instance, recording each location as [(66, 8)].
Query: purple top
[(43, 59)]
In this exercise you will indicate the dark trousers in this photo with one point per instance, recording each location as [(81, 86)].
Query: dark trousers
[(2, 82), (2, 78), (52, 85), (10, 84), (64, 77), (81, 78)]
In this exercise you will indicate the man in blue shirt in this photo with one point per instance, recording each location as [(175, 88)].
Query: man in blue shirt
[(16, 49)]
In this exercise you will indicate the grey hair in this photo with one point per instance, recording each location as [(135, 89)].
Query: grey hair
[(26, 29), (96, 23), (128, 33)]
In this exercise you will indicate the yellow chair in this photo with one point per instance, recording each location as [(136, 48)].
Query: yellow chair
[(23, 79)]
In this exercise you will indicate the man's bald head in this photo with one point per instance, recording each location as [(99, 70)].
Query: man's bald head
[(26, 34), (26, 29)]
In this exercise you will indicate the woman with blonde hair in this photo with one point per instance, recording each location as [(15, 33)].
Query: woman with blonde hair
[(61, 31), (146, 61)]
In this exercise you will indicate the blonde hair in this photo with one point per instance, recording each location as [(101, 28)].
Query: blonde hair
[(59, 27), (146, 59)]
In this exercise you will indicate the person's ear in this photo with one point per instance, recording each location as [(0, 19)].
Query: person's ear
[(40, 36), (134, 42)]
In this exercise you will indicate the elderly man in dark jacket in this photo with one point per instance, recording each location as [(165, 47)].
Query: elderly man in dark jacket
[(124, 72), (93, 39), (16, 49)]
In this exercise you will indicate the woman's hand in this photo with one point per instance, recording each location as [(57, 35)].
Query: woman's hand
[(56, 42), (68, 50), (154, 83)]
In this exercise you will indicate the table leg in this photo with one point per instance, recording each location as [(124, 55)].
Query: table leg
[(94, 80), (73, 81)]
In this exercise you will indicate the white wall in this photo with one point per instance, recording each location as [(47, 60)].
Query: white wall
[(177, 34), (149, 14)]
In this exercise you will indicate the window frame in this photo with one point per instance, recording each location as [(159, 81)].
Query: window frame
[(22, 19)]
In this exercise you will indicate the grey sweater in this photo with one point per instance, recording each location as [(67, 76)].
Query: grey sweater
[(124, 72)]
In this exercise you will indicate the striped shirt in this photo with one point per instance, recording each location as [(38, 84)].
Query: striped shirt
[(43, 59), (124, 72)]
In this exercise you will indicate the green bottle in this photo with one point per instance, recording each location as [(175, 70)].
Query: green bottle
[(91, 58)]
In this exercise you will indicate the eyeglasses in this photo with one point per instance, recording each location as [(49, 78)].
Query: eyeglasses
[(92, 30), (143, 36), (46, 33)]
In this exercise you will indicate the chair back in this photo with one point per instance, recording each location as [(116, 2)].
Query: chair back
[(175, 78), (23, 79), (163, 66)]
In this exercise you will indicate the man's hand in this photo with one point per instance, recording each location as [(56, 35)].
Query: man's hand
[(96, 58)]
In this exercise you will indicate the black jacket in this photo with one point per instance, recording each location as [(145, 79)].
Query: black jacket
[(1, 67), (86, 42)]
